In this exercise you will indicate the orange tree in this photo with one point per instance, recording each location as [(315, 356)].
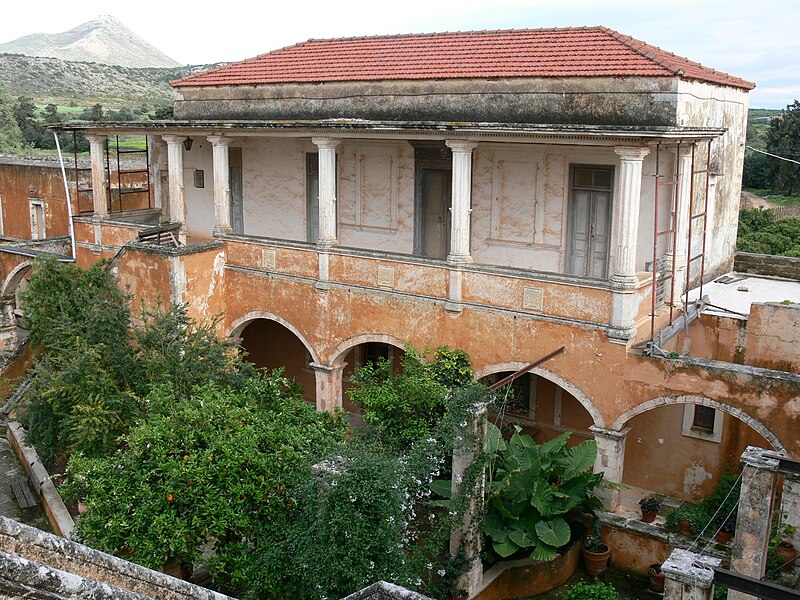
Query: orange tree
[(216, 468)]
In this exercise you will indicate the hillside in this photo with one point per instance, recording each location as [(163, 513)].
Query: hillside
[(82, 83), (104, 40)]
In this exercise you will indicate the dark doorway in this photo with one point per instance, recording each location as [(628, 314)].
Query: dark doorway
[(590, 221), (237, 196), (433, 195)]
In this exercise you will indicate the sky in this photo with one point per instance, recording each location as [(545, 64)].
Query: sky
[(756, 40)]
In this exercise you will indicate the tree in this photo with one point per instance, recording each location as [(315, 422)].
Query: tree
[(762, 233), (51, 114), (783, 139), (96, 113), (11, 139)]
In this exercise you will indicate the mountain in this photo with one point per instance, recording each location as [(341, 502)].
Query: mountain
[(104, 40)]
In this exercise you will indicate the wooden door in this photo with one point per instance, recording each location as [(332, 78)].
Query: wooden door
[(590, 222), (237, 195), (433, 233)]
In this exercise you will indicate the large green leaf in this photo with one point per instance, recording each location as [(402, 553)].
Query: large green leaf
[(495, 439), (521, 539), (543, 499), (442, 487), (543, 552), (505, 549), (554, 532), (579, 459)]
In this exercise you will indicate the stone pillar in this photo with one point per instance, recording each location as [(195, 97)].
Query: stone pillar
[(688, 576), (465, 540), (177, 202), (759, 480), (627, 216), (327, 190), (8, 324), (328, 386), (682, 208), (222, 185), (790, 506), (461, 201), (611, 461), (624, 306), (97, 150)]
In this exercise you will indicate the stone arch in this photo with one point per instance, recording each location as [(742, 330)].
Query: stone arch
[(13, 279), (576, 392), (235, 330), (343, 348), (755, 424)]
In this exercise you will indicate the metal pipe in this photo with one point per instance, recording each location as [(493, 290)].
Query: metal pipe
[(523, 370), (66, 190)]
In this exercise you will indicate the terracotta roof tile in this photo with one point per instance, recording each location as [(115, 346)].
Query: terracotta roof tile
[(565, 52)]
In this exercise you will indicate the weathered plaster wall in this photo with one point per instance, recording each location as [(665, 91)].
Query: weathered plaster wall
[(713, 337), (19, 183), (690, 465), (705, 105), (584, 100), (199, 201), (773, 336)]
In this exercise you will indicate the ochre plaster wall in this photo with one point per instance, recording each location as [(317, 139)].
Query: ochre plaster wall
[(18, 184), (773, 336), (688, 466)]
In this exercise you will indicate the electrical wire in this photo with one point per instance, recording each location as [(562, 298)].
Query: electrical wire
[(797, 162)]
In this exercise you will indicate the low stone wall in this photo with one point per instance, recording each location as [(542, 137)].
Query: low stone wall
[(36, 559), (526, 577), (766, 264), (54, 507)]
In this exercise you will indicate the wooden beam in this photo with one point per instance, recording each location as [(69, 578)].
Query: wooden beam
[(523, 370)]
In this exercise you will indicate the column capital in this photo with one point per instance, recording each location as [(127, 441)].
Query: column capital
[(464, 146), (326, 368), (96, 138), (174, 139), (612, 434), (326, 143), (760, 458), (220, 140), (631, 152)]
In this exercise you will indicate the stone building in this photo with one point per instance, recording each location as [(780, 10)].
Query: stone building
[(504, 192)]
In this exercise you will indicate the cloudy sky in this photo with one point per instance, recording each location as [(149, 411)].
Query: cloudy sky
[(756, 40)]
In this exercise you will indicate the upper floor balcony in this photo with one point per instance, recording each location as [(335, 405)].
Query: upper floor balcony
[(567, 224)]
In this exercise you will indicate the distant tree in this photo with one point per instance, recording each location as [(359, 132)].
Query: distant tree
[(762, 233), (51, 114), (96, 113), (24, 113), (783, 139), (756, 171), (163, 113)]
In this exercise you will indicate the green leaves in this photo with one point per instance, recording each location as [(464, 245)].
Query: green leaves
[(534, 489)]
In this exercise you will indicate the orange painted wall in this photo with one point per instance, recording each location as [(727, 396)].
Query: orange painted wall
[(18, 183), (773, 336)]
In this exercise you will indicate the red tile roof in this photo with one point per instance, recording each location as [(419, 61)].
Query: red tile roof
[(564, 52)]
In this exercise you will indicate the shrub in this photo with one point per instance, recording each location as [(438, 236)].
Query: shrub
[(216, 467), (533, 491), (590, 591), (404, 407)]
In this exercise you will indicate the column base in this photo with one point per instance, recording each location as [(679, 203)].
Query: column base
[(459, 259), (222, 230)]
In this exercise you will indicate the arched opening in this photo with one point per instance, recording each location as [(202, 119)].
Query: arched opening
[(362, 354), (542, 406), (679, 446), (270, 344)]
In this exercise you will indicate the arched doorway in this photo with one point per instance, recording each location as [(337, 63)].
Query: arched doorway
[(543, 404), (679, 446), (271, 344), (369, 348)]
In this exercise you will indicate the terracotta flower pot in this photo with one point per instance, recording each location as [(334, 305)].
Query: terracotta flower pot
[(723, 537), (788, 554), (596, 562), (685, 527), (656, 578), (648, 516)]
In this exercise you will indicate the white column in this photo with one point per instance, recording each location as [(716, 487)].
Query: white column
[(461, 200), (327, 190), (222, 185), (688, 576), (610, 460), (328, 386), (97, 150), (683, 205), (627, 219), (177, 203)]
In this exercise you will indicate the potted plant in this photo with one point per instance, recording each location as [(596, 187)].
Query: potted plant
[(595, 552), (650, 508), (656, 577), (687, 520), (725, 531), (784, 548)]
